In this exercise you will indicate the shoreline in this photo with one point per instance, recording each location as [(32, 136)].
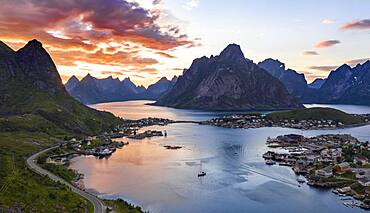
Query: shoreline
[(192, 122), (322, 161)]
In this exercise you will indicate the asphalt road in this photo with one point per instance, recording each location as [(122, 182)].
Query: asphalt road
[(31, 162)]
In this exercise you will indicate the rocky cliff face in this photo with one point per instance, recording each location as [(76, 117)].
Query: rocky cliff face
[(295, 83), (161, 87), (228, 82), (317, 83), (37, 64), (71, 83), (30, 85), (345, 85)]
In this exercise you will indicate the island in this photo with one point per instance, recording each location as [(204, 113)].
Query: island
[(306, 119)]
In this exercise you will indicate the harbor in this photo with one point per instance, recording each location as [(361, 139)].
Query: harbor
[(337, 161)]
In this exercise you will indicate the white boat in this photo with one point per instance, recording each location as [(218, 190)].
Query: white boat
[(301, 179)]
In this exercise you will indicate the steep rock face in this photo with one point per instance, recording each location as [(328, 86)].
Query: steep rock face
[(161, 87), (358, 89), (295, 83), (345, 85), (87, 91), (37, 64), (335, 85), (32, 88), (317, 83), (71, 83), (228, 82)]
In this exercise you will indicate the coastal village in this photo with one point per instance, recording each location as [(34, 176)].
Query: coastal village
[(332, 161), (256, 120), (337, 161)]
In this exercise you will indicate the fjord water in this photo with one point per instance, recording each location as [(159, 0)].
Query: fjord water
[(237, 180)]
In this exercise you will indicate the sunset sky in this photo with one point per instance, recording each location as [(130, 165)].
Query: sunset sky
[(148, 39)]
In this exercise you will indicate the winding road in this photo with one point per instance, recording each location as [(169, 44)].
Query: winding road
[(31, 163)]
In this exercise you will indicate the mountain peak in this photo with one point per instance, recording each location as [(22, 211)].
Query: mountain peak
[(33, 44), (88, 77), (6, 48), (344, 67), (163, 79), (232, 52), (174, 79), (270, 63), (73, 78), (37, 64)]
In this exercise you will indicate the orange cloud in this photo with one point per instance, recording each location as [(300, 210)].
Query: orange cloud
[(327, 43), (165, 54), (98, 32), (359, 24)]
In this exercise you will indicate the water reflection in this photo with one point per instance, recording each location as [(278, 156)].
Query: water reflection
[(237, 179)]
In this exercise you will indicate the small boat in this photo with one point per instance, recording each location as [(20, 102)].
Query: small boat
[(300, 179), (270, 162), (346, 198), (201, 174)]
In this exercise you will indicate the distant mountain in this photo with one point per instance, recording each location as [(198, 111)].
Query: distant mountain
[(160, 87), (33, 98), (91, 90), (317, 83), (295, 83), (228, 82), (345, 85), (71, 83)]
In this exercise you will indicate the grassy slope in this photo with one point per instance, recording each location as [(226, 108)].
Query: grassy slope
[(29, 118), (66, 114), (316, 114), (32, 118), (20, 188)]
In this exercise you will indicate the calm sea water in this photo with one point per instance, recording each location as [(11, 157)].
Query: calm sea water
[(237, 180)]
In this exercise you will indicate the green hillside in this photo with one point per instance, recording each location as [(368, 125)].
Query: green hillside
[(35, 113), (316, 113)]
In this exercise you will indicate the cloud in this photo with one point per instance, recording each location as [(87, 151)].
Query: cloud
[(192, 4), (358, 24), (326, 43), (112, 73), (323, 68), (357, 61), (113, 34), (328, 21), (163, 54), (156, 2), (310, 53)]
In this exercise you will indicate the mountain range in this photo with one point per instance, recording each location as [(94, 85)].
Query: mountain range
[(91, 90), (228, 81), (33, 98), (295, 83), (344, 85)]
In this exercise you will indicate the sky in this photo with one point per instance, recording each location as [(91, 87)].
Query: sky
[(148, 39)]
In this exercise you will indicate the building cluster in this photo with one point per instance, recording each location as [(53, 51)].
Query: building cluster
[(335, 160), (147, 134), (259, 120)]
